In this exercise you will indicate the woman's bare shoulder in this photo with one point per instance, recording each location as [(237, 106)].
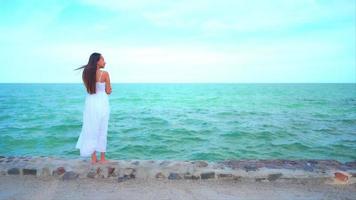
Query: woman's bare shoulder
[(105, 73)]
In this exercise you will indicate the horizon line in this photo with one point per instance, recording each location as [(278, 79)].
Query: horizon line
[(185, 83)]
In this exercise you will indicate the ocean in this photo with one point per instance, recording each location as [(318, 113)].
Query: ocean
[(186, 121)]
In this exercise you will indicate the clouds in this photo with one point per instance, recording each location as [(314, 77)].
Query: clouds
[(240, 15), (182, 41)]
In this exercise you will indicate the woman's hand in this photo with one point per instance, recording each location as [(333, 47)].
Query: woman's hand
[(107, 83)]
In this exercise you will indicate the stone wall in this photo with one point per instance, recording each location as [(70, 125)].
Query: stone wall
[(122, 170)]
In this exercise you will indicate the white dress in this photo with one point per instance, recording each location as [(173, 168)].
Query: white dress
[(93, 136)]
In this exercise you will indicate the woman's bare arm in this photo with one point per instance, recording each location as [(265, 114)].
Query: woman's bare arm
[(107, 83)]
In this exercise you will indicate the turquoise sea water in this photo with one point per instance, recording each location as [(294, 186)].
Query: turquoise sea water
[(186, 121)]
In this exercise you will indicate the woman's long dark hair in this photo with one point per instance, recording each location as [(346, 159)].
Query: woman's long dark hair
[(89, 73)]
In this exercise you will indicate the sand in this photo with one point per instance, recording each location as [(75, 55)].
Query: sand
[(30, 187)]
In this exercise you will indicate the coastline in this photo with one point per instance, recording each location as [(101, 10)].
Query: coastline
[(39, 177), (258, 170)]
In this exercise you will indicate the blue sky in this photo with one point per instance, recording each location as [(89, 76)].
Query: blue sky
[(180, 41)]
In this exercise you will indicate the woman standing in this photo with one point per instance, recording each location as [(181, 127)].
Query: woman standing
[(93, 136)]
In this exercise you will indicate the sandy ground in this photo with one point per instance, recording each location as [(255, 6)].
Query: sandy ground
[(28, 187)]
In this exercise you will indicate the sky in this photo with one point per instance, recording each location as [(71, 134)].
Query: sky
[(180, 41)]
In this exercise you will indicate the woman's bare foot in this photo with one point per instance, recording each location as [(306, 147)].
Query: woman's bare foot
[(102, 158), (93, 158)]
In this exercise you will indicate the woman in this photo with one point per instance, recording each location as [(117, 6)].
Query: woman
[(93, 136)]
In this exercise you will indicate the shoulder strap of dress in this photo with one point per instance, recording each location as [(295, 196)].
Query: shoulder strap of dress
[(100, 76)]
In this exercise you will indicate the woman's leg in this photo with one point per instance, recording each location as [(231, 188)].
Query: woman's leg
[(103, 138), (102, 158), (93, 158)]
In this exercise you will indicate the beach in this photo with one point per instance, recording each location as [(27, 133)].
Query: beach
[(34, 188), (60, 178)]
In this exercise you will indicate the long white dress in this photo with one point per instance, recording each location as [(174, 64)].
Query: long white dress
[(93, 136)]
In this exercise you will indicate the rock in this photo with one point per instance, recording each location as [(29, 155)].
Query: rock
[(91, 174), (101, 172), (9, 159), (104, 173), (309, 166), (94, 173), (200, 163), (123, 178), (131, 175), (174, 176), (111, 172), (135, 163), (312, 162), (59, 171), (164, 163), (224, 175), (191, 176), (351, 165), (234, 177), (218, 166), (13, 171), (250, 168), (207, 175), (29, 171), (342, 176), (273, 177), (261, 180), (98, 171), (70, 175), (129, 171), (326, 164), (160, 175), (45, 172), (248, 165), (228, 176)]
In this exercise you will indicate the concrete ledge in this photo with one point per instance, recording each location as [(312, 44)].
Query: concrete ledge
[(236, 170)]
